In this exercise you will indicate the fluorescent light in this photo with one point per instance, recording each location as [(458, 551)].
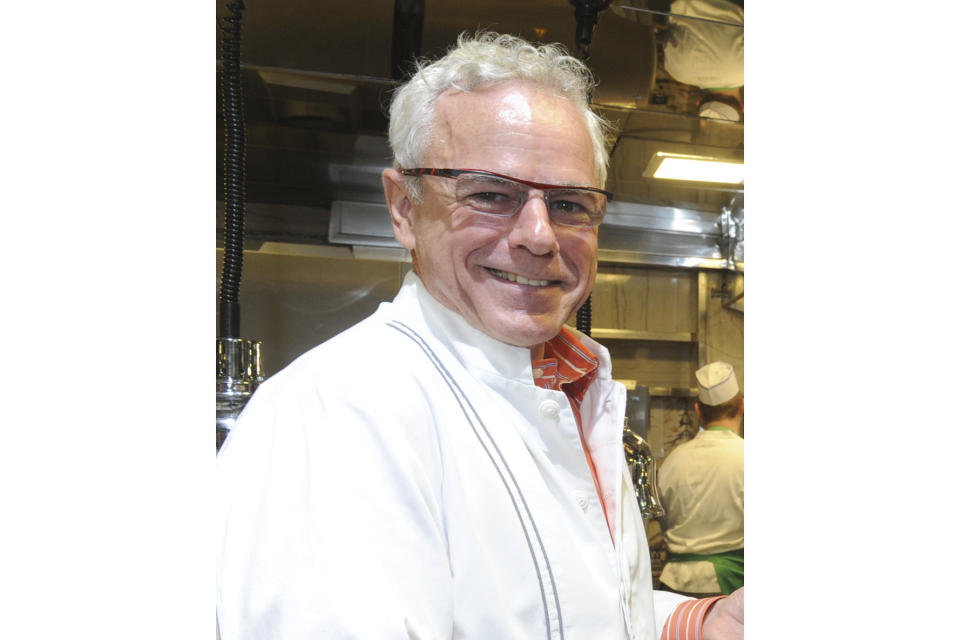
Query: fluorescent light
[(676, 166)]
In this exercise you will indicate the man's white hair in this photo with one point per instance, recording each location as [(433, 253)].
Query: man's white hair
[(480, 61)]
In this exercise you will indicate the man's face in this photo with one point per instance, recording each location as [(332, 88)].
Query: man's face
[(465, 258)]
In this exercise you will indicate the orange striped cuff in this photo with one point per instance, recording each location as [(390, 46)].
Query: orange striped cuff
[(686, 621)]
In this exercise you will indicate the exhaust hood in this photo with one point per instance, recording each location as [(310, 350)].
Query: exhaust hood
[(317, 80)]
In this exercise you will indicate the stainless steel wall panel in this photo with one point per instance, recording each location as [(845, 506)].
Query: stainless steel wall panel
[(294, 302), (644, 300)]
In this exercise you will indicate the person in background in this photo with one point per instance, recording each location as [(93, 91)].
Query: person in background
[(701, 487), (452, 466), (708, 55)]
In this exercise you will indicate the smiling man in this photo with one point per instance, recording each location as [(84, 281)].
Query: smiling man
[(514, 275), (452, 466)]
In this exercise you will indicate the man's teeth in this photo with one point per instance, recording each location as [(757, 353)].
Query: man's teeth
[(512, 277)]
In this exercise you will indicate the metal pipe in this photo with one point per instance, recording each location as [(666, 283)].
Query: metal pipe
[(682, 17), (320, 75)]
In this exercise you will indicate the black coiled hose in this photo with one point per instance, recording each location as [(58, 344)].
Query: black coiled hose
[(234, 161)]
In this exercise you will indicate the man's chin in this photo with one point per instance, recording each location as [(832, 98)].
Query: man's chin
[(524, 335)]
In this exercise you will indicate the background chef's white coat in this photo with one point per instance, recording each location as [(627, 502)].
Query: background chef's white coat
[(701, 487), (704, 54), (388, 487)]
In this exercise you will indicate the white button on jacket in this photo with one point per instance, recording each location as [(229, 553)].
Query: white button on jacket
[(550, 409)]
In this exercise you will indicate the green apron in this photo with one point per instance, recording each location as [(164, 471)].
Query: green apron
[(728, 566)]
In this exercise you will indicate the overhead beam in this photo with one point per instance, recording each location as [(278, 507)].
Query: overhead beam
[(407, 36)]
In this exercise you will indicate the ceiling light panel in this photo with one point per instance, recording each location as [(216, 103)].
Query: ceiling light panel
[(676, 166)]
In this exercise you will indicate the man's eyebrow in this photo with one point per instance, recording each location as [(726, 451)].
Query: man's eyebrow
[(490, 178)]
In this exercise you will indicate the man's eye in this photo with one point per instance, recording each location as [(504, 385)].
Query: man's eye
[(492, 200), (492, 197), (568, 206)]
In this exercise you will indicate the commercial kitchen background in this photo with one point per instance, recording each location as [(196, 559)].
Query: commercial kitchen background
[(320, 251), (108, 199)]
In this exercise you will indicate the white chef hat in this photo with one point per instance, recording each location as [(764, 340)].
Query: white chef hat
[(718, 111), (718, 383)]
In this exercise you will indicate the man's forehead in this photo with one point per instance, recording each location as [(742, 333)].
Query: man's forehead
[(511, 102), (511, 121), (515, 107)]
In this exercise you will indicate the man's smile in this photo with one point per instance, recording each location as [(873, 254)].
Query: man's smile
[(513, 277)]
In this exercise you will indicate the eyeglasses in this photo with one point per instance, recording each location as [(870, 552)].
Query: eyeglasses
[(499, 195)]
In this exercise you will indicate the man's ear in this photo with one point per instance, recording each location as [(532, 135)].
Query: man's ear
[(400, 205)]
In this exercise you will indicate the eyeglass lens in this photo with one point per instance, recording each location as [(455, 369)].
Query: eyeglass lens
[(501, 197)]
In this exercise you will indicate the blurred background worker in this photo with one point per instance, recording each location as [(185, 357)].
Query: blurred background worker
[(705, 50), (701, 486)]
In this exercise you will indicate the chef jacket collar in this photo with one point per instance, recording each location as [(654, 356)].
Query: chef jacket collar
[(475, 349)]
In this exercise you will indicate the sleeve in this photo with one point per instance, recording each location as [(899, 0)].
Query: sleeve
[(329, 519), (665, 603), (685, 621)]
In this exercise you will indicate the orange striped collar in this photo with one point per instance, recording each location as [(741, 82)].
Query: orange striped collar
[(567, 365)]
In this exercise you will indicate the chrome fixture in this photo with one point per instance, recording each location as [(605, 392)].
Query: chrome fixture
[(643, 471), (239, 373)]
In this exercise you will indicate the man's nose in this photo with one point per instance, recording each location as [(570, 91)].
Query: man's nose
[(532, 228)]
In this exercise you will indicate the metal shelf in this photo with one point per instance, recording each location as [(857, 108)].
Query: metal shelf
[(661, 391), (672, 392), (649, 336)]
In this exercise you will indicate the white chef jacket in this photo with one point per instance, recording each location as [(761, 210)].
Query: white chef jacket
[(704, 54), (407, 479), (701, 488)]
